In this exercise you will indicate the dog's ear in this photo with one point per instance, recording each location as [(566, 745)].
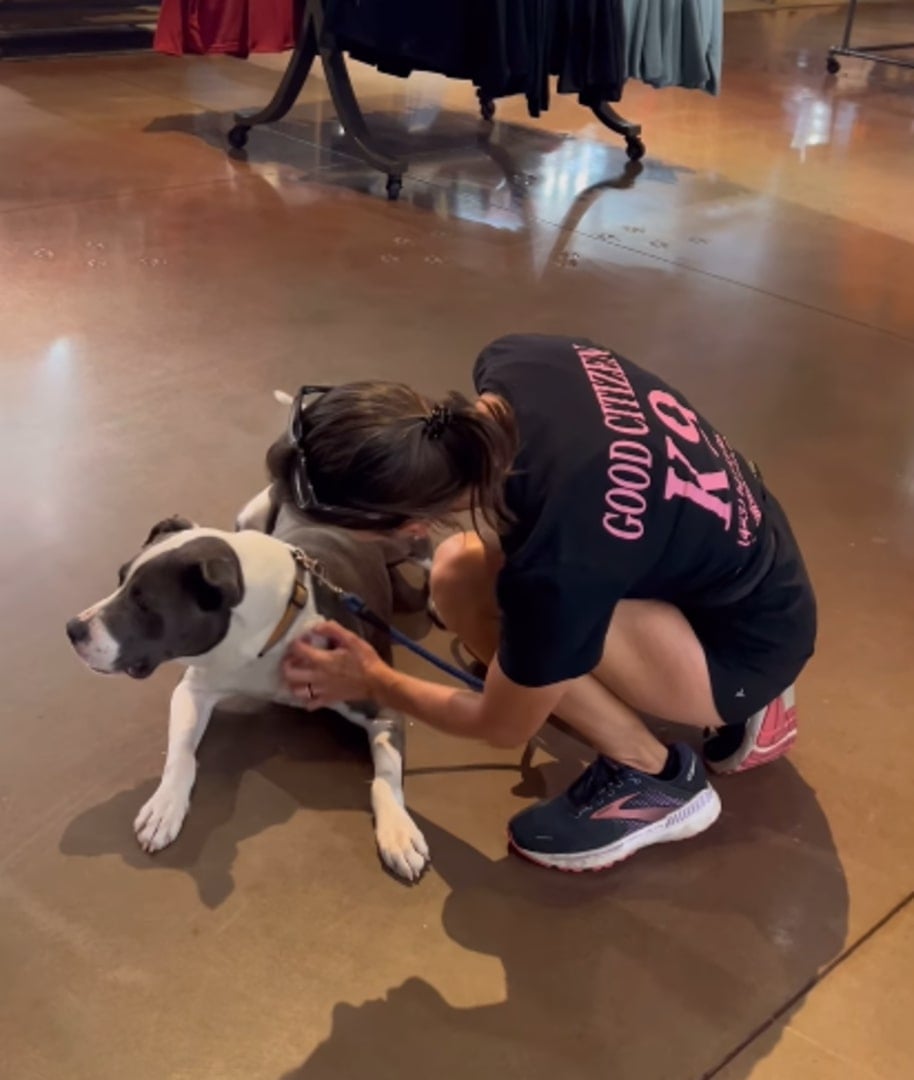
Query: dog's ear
[(173, 524), (215, 582), (281, 457)]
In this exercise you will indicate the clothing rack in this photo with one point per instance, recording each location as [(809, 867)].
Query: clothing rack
[(315, 40), (876, 54)]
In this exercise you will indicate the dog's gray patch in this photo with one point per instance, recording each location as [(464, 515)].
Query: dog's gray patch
[(162, 529), (177, 604)]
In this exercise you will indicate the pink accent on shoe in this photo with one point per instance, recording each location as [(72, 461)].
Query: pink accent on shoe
[(770, 733), (620, 811)]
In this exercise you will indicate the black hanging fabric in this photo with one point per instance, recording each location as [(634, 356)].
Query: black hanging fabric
[(587, 49), (410, 35), (503, 47)]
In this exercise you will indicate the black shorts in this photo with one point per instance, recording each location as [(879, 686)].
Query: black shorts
[(757, 646)]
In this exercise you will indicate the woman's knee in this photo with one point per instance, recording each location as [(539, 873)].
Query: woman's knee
[(462, 577)]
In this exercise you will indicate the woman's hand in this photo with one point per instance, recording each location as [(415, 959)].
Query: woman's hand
[(348, 670)]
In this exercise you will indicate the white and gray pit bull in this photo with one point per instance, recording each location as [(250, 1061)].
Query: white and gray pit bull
[(226, 605)]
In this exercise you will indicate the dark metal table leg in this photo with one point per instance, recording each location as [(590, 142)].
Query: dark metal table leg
[(289, 88), (849, 24), (631, 132), (486, 105), (313, 41), (350, 115)]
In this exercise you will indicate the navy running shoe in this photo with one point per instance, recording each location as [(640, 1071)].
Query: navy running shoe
[(611, 811)]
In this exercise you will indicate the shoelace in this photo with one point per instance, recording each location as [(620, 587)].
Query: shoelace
[(601, 777)]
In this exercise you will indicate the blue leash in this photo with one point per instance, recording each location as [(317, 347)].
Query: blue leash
[(361, 610), (357, 606)]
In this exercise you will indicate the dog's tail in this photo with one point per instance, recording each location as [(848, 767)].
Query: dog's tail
[(283, 398)]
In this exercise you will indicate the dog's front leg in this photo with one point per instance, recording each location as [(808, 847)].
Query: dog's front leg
[(160, 820), (400, 841)]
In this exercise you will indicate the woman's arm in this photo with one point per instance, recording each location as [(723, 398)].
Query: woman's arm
[(504, 714)]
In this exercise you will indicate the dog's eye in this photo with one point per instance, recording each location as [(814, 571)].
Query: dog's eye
[(137, 597)]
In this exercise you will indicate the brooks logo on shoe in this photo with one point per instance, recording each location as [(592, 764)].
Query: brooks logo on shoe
[(621, 811)]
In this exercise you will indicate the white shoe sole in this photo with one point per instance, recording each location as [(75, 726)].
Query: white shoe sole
[(698, 814)]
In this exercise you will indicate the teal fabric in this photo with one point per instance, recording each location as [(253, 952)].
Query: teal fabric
[(675, 42)]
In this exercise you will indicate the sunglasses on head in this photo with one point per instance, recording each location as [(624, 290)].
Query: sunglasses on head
[(351, 517)]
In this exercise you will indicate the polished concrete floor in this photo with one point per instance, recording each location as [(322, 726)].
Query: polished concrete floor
[(154, 291)]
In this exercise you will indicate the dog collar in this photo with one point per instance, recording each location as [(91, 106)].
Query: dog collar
[(297, 601)]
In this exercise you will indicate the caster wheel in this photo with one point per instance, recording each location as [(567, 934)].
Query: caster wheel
[(635, 148), (394, 187), (238, 137), (832, 65)]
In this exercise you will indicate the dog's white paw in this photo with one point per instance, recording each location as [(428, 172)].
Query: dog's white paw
[(401, 844), (160, 820)]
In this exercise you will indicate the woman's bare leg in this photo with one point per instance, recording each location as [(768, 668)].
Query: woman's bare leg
[(463, 591), (652, 662)]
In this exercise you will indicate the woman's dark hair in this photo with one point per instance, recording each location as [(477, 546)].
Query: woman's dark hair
[(382, 450)]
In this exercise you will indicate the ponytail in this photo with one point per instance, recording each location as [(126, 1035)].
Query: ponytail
[(482, 441)]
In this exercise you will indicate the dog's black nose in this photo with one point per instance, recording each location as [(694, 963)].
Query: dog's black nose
[(77, 631)]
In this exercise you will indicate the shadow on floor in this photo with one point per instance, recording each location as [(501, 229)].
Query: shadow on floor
[(286, 747), (618, 974), (623, 969)]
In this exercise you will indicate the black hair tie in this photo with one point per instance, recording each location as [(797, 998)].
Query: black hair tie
[(437, 420)]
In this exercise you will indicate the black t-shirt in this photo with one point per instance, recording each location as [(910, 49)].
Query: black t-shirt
[(621, 489)]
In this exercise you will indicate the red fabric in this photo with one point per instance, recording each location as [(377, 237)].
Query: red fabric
[(233, 27)]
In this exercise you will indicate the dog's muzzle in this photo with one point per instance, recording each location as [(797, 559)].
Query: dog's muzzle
[(95, 646)]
